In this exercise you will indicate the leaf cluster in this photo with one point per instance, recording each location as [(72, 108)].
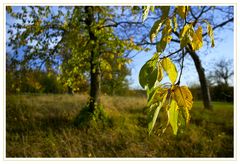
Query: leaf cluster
[(174, 99)]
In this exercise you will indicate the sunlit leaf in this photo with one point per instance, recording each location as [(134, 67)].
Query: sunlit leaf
[(182, 11), (173, 116), (155, 29), (210, 34), (153, 114), (163, 43), (185, 36), (145, 12), (160, 72), (166, 36), (175, 24), (152, 8), (156, 94), (184, 30), (170, 68), (183, 96), (197, 41)]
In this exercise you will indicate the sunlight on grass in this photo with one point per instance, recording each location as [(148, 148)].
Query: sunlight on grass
[(43, 126)]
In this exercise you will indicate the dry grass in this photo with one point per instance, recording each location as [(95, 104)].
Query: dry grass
[(43, 126)]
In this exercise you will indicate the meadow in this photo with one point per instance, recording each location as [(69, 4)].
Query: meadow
[(45, 126)]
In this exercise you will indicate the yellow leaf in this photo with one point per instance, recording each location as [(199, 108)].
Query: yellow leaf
[(166, 36), (182, 95), (170, 68), (185, 30), (160, 72), (145, 12), (197, 41), (210, 34), (185, 35), (182, 11), (175, 23)]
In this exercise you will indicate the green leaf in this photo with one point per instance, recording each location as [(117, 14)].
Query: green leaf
[(145, 12), (173, 116), (151, 95), (143, 75), (152, 77), (152, 8), (155, 29), (148, 73), (153, 114), (170, 68), (181, 118), (156, 94)]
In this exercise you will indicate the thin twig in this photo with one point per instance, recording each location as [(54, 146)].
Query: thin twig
[(183, 54), (171, 53)]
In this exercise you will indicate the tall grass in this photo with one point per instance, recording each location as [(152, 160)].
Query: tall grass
[(43, 126)]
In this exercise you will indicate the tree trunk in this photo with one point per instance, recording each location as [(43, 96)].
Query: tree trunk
[(202, 78), (94, 86), (69, 90), (94, 62)]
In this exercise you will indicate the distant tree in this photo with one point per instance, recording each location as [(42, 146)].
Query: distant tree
[(222, 72), (116, 83)]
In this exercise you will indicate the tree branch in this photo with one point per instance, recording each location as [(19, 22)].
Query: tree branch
[(115, 24), (179, 79), (220, 25), (172, 53)]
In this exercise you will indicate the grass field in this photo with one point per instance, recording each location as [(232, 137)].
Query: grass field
[(43, 126)]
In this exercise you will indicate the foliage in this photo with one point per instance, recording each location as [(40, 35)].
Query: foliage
[(32, 81), (176, 100), (79, 41)]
